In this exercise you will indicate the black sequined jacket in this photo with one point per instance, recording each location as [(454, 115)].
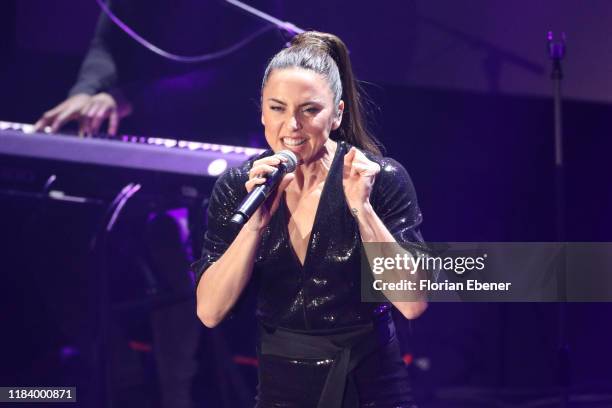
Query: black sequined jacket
[(324, 293)]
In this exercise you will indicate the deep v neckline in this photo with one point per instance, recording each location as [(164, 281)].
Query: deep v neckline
[(313, 230)]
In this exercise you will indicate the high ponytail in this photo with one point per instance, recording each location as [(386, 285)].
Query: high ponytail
[(328, 56)]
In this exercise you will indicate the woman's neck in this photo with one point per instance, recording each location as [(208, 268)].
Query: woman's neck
[(310, 175)]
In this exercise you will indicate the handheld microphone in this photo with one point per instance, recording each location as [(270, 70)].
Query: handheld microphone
[(258, 195)]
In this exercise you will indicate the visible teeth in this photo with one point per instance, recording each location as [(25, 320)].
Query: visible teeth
[(293, 142)]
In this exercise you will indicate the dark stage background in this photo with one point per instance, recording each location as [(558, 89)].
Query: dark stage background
[(460, 95)]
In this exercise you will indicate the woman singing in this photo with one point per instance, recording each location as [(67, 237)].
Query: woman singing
[(319, 345)]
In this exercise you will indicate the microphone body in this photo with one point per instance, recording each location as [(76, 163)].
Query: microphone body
[(259, 194)]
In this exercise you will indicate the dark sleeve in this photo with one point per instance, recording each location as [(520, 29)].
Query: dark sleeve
[(98, 71), (395, 202), (227, 194)]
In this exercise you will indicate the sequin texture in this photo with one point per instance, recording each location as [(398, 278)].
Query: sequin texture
[(325, 292)]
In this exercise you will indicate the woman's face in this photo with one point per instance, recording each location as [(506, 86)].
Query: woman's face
[(298, 112)]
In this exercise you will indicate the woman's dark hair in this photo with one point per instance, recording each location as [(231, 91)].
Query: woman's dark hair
[(328, 56)]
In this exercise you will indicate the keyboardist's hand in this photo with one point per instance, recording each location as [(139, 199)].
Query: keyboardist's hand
[(89, 111), (101, 106)]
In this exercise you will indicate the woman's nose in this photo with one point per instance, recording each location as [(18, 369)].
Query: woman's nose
[(293, 123)]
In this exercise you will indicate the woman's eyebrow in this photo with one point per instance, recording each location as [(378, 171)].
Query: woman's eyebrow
[(277, 101), (311, 102)]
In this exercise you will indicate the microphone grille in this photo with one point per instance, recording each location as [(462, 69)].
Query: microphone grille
[(292, 160)]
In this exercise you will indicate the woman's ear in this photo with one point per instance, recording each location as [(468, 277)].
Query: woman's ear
[(338, 119)]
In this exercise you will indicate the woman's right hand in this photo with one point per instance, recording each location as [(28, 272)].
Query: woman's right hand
[(257, 176)]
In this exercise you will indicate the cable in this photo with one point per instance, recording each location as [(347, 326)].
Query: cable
[(286, 26), (127, 193), (99, 248), (174, 57)]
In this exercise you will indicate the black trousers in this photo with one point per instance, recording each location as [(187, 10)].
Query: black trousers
[(360, 367)]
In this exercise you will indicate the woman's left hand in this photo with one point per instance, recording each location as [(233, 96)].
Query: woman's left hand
[(358, 178)]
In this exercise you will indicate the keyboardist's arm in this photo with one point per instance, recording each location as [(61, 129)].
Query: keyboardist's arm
[(98, 71), (95, 97)]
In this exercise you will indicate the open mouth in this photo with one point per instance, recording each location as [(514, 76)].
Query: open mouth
[(293, 141)]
